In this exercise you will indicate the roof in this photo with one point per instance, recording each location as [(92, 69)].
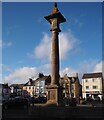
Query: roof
[(32, 83), (92, 75), (42, 78), (46, 78), (17, 85), (72, 79), (5, 86)]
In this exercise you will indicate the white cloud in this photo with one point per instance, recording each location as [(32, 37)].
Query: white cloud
[(67, 42), (0, 43), (21, 75), (46, 68), (98, 67), (5, 68), (43, 50), (69, 71), (5, 44), (86, 66)]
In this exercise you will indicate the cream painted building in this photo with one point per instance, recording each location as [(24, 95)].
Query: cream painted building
[(36, 86), (92, 85), (29, 88), (71, 87)]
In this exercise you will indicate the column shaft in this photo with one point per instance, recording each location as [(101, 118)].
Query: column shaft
[(55, 58)]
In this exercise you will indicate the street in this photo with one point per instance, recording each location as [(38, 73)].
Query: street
[(39, 112)]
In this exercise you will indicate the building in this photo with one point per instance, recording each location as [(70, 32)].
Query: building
[(40, 84), (92, 85), (71, 87), (16, 89), (36, 87), (5, 89), (29, 88)]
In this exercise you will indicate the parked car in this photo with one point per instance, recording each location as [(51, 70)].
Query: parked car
[(96, 98), (42, 99), (89, 99), (82, 101), (15, 103), (72, 102), (31, 100)]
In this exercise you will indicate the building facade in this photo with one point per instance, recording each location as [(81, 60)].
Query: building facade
[(40, 84), (6, 91), (29, 88), (92, 85), (36, 87), (16, 89), (71, 87)]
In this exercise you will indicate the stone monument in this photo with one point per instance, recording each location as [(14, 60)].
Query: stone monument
[(54, 89)]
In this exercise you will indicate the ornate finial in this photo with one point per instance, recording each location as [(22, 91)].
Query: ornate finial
[(55, 4), (54, 10)]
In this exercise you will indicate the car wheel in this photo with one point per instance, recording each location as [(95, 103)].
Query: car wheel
[(6, 107)]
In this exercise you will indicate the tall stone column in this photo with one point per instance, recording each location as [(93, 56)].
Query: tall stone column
[(55, 59), (54, 89)]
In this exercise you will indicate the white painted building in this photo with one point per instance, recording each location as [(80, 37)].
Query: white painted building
[(29, 88), (36, 86), (41, 83), (92, 85)]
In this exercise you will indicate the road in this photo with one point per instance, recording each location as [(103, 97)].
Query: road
[(84, 111)]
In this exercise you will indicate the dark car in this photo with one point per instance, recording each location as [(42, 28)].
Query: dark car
[(17, 102), (42, 99), (72, 102), (96, 98)]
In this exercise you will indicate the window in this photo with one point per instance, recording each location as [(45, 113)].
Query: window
[(41, 90), (93, 80), (72, 87), (95, 87), (42, 83), (37, 83), (29, 87), (86, 80), (37, 90), (87, 87)]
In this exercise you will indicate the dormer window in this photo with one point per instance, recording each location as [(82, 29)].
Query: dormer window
[(86, 80), (72, 79)]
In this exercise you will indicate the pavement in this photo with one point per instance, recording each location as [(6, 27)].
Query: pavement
[(38, 111)]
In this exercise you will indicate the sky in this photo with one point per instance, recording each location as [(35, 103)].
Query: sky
[(52, 0), (26, 39)]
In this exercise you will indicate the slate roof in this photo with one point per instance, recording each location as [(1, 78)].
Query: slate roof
[(18, 86), (32, 83), (46, 78), (92, 75), (72, 79)]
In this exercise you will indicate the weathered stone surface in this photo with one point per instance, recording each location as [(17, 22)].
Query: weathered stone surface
[(54, 90)]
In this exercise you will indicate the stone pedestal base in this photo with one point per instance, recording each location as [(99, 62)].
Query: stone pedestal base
[(54, 96)]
